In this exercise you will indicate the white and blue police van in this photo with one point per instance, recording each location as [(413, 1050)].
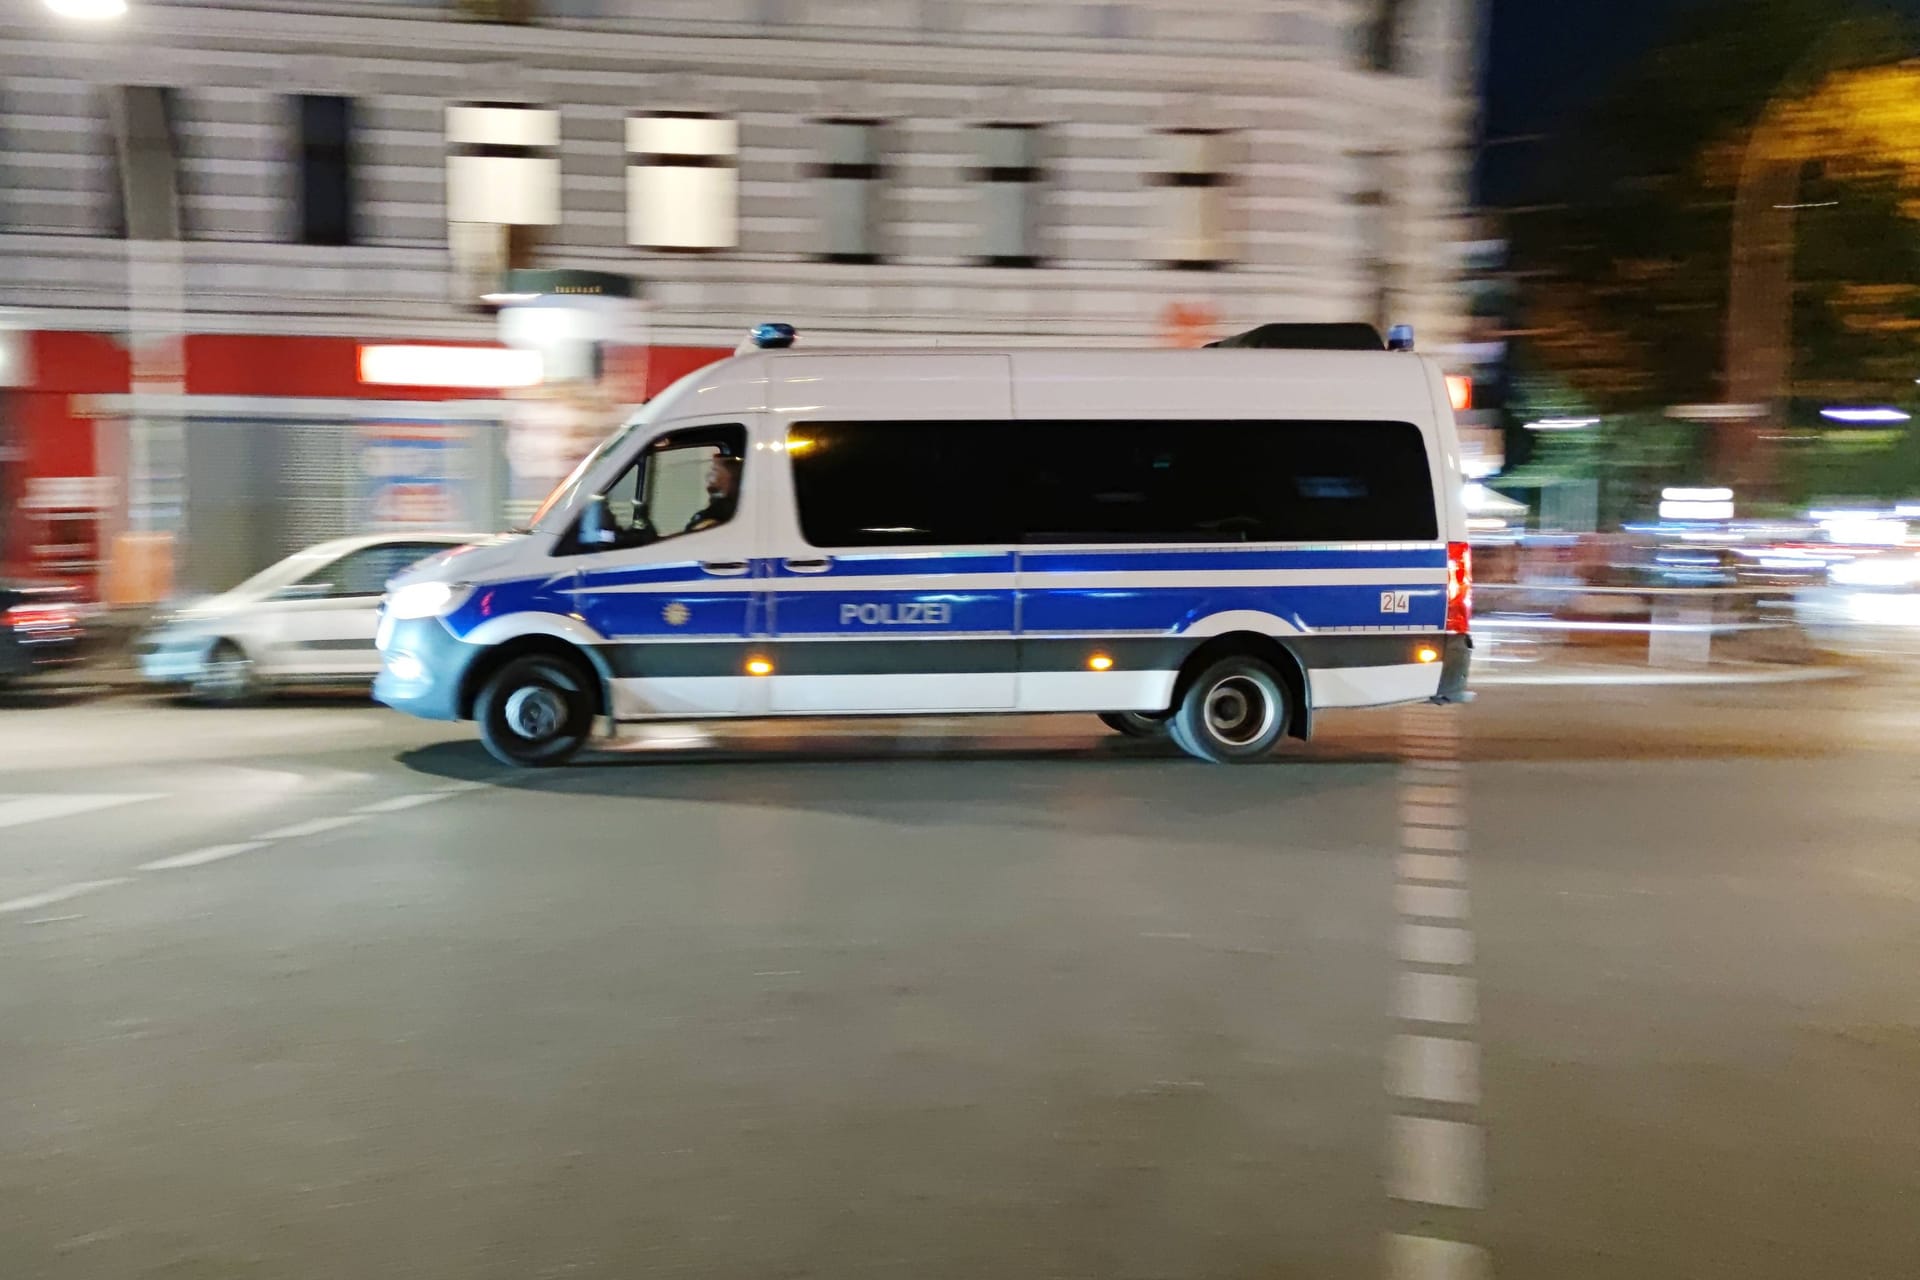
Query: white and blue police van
[(1217, 545)]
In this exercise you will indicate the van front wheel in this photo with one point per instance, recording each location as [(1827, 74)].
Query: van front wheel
[(1235, 711), (536, 710)]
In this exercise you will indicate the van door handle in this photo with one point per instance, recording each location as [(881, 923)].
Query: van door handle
[(807, 566), (724, 568)]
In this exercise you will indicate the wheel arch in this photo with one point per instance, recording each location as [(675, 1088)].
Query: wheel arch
[(1275, 651), (496, 656)]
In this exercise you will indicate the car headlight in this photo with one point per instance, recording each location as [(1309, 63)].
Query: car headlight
[(425, 599)]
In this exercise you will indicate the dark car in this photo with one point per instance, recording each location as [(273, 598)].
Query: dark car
[(39, 628)]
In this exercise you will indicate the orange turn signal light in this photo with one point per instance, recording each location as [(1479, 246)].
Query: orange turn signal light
[(759, 667), (1100, 662), (1427, 653)]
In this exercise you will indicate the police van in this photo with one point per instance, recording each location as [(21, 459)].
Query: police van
[(1217, 545)]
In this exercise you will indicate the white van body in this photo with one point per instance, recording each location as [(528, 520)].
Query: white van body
[(767, 615)]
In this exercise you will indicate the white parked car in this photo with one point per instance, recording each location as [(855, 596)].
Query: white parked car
[(309, 619)]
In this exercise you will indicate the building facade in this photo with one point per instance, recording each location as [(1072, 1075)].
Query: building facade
[(1118, 172)]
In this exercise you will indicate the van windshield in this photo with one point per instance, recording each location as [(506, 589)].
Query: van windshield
[(562, 498)]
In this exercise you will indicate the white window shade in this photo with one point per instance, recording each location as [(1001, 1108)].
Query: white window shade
[(1190, 198), (503, 164), (683, 189)]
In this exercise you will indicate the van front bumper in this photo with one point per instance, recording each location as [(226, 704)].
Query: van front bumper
[(422, 668)]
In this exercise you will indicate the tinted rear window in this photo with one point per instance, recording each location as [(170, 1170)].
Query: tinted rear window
[(959, 483)]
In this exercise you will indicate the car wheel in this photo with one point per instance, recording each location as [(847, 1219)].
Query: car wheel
[(1135, 724), (1235, 711), (536, 710), (227, 677)]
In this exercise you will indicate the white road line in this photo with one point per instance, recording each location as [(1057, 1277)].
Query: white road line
[(1449, 838), (17, 811), (311, 827), (1435, 945), (1432, 1160), (34, 901), (1435, 1161), (394, 804), (455, 788), (200, 857), (1431, 815), (1432, 901), (1435, 997), (1432, 866), (1434, 1069), (1424, 1258)]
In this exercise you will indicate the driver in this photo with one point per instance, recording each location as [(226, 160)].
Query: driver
[(723, 494)]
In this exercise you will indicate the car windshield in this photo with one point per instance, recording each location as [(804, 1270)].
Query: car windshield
[(564, 493)]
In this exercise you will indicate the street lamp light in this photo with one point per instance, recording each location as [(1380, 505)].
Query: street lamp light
[(89, 10)]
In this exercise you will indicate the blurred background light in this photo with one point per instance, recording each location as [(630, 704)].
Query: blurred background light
[(1877, 414), (1562, 424), (418, 365), (88, 10)]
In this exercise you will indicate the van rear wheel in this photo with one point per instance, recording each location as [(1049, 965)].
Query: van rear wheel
[(1135, 724), (535, 711), (1234, 712)]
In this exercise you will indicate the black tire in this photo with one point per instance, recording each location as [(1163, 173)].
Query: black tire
[(227, 678), (535, 711), (1234, 711), (1135, 724)]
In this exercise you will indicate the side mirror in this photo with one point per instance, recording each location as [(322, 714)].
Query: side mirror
[(597, 528)]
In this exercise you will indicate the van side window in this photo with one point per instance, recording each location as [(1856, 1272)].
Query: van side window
[(902, 484), (1226, 482), (960, 483), (686, 481)]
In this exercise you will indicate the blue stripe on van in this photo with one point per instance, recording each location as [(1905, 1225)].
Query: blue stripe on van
[(1173, 609), (931, 610), (1136, 560)]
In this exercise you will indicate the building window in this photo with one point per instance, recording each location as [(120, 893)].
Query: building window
[(503, 181), (852, 180), (1383, 35), (503, 164), (1191, 183), (1009, 176), (145, 191), (683, 181), (325, 155)]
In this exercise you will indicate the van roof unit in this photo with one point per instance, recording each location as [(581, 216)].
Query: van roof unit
[(1308, 337)]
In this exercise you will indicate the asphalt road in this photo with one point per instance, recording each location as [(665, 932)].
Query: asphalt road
[(1575, 982)]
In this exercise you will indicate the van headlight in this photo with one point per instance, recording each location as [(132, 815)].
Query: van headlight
[(426, 599)]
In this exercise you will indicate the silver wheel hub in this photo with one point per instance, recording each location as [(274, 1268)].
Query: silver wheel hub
[(1239, 711), (536, 712)]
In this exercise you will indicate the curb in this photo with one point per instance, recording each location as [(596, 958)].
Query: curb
[(1697, 679)]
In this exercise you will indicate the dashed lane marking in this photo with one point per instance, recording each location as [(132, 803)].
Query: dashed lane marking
[(201, 857), (35, 901), (311, 827), (1435, 1145), (1433, 944), (1436, 1161), (1427, 1258), (16, 811), (394, 804)]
